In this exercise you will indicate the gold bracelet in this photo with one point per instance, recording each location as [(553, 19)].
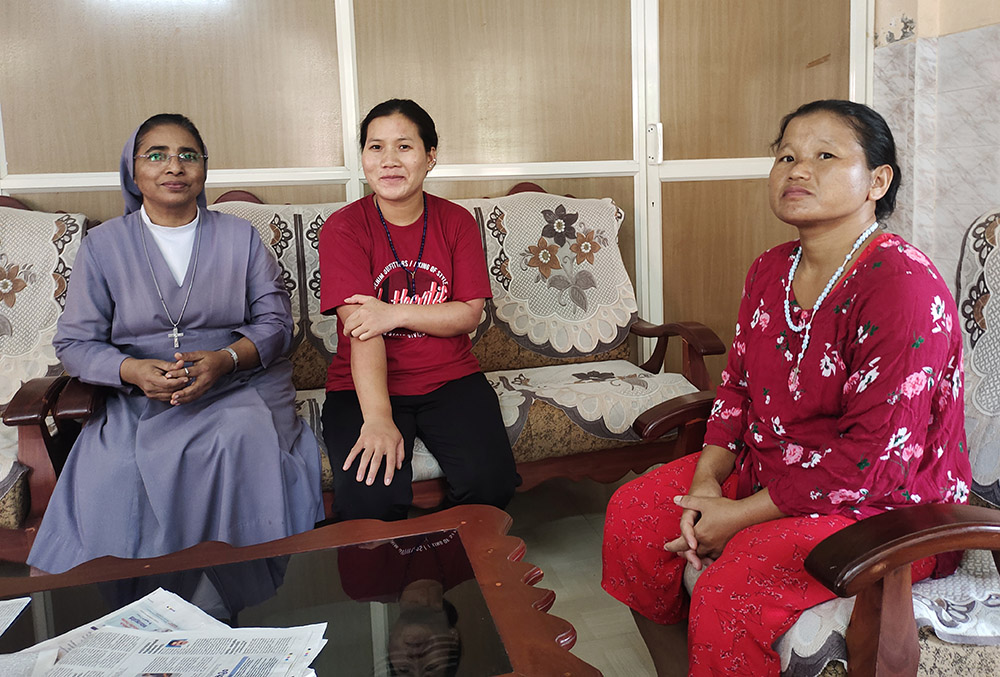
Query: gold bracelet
[(236, 358)]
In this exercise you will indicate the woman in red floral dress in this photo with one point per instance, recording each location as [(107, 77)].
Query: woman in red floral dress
[(842, 398)]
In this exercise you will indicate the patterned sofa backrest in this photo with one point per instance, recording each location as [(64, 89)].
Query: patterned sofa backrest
[(560, 290), (292, 231), (978, 279), (37, 251)]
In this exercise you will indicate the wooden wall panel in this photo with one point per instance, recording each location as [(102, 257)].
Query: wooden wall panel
[(730, 69), (96, 205), (712, 232), (505, 80), (104, 205), (954, 17), (258, 78)]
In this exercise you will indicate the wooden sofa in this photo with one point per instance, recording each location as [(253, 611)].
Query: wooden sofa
[(554, 342), (549, 438)]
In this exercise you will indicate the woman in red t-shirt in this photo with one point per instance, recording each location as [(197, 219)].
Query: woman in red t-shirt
[(406, 275), (842, 398)]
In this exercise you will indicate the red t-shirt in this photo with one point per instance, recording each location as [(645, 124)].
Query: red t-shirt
[(355, 258)]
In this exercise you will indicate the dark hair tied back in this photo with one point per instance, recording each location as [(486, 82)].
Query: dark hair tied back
[(873, 135), (408, 109)]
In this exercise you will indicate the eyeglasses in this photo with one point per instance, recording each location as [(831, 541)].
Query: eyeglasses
[(185, 158)]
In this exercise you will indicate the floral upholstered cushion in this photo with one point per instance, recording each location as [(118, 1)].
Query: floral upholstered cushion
[(560, 289), (570, 408), (549, 411), (979, 276), (292, 232), (36, 256)]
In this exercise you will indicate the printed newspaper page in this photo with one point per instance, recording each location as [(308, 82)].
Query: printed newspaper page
[(242, 652), (10, 609), (27, 664), (159, 611), (17, 665)]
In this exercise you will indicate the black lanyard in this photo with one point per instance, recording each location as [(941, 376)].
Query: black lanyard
[(410, 274)]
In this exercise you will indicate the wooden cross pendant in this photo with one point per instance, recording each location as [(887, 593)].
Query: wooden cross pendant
[(175, 335)]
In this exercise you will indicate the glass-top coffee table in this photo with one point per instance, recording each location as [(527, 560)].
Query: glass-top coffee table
[(419, 597)]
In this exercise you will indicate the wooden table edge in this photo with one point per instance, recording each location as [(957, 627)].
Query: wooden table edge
[(537, 643)]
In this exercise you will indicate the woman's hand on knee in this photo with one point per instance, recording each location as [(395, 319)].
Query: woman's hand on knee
[(378, 439)]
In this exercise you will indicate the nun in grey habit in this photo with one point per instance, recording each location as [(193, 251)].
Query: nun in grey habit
[(169, 463)]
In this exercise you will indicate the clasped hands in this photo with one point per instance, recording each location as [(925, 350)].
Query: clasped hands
[(179, 382), (707, 523)]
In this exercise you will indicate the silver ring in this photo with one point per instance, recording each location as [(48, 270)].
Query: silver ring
[(187, 372)]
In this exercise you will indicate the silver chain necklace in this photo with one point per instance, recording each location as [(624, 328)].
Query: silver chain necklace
[(175, 334)]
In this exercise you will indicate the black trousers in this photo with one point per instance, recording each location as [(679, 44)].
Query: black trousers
[(461, 425)]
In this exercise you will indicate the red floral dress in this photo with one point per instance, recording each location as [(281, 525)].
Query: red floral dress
[(870, 420)]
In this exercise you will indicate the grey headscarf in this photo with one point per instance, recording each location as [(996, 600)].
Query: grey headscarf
[(126, 170)]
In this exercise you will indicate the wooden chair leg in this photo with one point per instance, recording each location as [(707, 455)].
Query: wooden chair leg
[(882, 636)]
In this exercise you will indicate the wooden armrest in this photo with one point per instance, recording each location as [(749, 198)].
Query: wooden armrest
[(665, 416), (701, 339), (860, 555), (78, 400), (12, 202), (33, 401), (43, 452), (238, 196)]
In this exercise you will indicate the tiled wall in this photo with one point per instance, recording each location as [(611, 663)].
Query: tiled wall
[(941, 97)]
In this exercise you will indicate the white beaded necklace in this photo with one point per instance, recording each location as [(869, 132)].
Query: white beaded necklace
[(793, 378)]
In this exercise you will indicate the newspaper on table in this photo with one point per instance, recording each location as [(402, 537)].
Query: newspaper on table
[(159, 611), (27, 664), (241, 652), (16, 665), (10, 609), (162, 634)]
